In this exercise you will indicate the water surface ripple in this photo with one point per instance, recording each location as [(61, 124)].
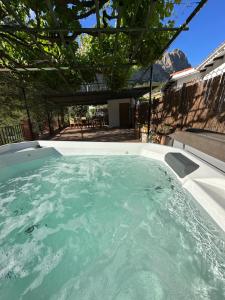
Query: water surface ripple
[(112, 228)]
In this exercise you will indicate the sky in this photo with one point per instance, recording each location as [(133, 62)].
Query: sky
[(206, 32)]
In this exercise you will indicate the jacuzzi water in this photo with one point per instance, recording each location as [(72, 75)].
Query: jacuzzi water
[(116, 227)]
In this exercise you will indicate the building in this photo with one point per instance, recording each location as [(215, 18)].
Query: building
[(177, 79), (184, 76), (122, 110), (121, 113), (214, 64)]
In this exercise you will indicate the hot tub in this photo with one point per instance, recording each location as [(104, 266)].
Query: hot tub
[(83, 220)]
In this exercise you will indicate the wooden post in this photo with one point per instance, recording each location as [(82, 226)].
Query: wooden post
[(48, 119), (28, 114), (150, 100)]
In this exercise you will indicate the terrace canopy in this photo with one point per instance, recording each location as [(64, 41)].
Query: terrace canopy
[(98, 97), (52, 49)]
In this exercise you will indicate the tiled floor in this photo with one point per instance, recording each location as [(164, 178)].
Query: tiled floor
[(97, 135)]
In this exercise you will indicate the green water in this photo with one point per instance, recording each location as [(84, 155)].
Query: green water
[(105, 228)]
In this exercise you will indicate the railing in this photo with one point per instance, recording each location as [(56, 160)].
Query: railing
[(11, 134), (102, 86)]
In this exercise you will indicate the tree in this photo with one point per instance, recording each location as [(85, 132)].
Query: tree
[(78, 111), (64, 47)]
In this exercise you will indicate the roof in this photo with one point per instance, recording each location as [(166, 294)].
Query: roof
[(183, 73), (214, 64), (216, 53), (98, 97), (216, 72), (178, 75)]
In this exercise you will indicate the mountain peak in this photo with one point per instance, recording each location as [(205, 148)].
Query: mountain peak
[(171, 62), (174, 61)]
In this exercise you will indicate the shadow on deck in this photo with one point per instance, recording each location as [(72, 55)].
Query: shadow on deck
[(97, 135)]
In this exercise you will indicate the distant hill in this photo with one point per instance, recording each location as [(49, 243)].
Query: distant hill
[(171, 62)]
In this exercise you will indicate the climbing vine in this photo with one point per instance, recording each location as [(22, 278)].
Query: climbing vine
[(40, 33)]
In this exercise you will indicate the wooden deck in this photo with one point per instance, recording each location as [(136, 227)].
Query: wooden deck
[(97, 135)]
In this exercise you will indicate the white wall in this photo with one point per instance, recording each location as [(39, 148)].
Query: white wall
[(186, 79), (114, 111)]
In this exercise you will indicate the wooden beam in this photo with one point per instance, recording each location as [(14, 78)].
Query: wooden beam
[(98, 21), (57, 68), (109, 30), (97, 14), (116, 38), (28, 113), (150, 100)]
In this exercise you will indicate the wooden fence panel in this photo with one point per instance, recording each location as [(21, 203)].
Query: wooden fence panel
[(198, 105), (11, 134)]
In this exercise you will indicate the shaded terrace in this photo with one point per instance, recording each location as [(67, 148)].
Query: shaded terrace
[(98, 135)]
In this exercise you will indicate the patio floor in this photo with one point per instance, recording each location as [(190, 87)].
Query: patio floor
[(97, 135)]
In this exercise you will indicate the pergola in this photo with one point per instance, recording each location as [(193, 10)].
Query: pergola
[(44, 39)]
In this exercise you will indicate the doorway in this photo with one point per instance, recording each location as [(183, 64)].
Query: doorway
[(124, 115)]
